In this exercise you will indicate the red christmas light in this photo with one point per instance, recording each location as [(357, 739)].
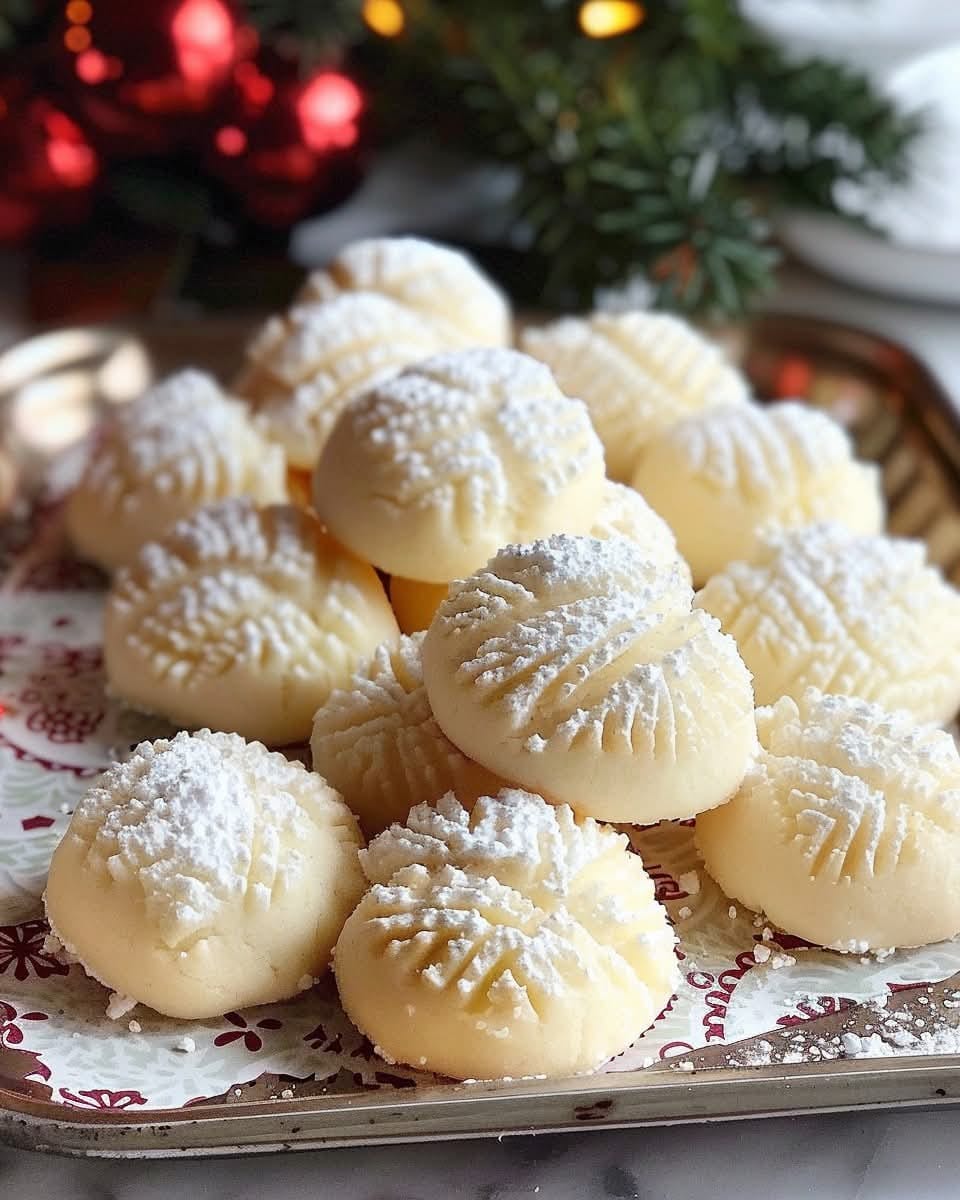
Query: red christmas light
[(204, 40)]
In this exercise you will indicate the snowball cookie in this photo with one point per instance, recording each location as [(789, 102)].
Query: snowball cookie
[(243, 619), (303, 367), (862, 616), (205, 874), (846, 830), (724, 476), (577, 668), (377, 742), (183, 444), (506, 942), (415, 602), (439, 283), (623, 513), (638, 373), (430, 473)]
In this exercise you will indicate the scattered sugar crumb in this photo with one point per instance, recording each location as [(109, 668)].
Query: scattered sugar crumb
[(685, 1065), (118, 1005), (761, 952), (732, 912), (767, 934), (186, 1045), (689, 881), (135, 1027), (64, 808), (685, 912), (286, 1094), (305, 982)]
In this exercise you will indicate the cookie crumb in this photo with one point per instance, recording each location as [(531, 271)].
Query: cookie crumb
[(186, 1045), (135, 1027)]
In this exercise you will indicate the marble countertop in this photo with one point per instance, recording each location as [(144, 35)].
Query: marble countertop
[(867, 1156)]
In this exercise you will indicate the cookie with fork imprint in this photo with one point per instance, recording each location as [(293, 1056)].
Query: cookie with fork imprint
[(430, 473), (243, 619), (862, 616), (637, 372), (377, 742), (511, 941), (846, 829), (579, 669), (204, 874), (439, 283), (181, 445), (303, 367), (725, 477)]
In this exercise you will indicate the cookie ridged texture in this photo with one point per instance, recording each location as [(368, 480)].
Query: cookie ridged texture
[(304, 366), (377, 742), (243, 619), (428, 474), (183, 444), (637, 372), (726, 476), (846, 831), (863, 616), (622, 513), (509, 941), (439, 283), (205, 873), (577, 667)]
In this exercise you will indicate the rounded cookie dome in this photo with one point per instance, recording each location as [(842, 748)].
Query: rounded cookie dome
[(862, 616), (846, 830), (578, 668), (305, 366), (431, 472), (725, 477), (439, 283), (377, 742), (205, 874), (243, 619), (511, 941), (183, 444), (637, 373)]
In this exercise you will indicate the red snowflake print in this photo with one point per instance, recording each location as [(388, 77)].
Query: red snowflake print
[(28, 824), (21, 947), (667, 887), (101, 1098), (65, 695), (10, 1033), (252, 1040), (318, 1039)]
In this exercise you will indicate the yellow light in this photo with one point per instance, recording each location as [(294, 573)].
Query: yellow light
[(608, 18), (79, 11), (384, 17)]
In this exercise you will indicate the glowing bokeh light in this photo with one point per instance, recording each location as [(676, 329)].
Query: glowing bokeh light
[(79, 11), (609, 18), (204, 39), (76, 39), (231, 140), (385, 17), (328, 107)]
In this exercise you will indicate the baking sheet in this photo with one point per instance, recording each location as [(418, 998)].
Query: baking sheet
[(297, 1073)]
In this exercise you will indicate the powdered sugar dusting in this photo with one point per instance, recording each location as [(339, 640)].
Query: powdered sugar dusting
[(863, 615), (201, 822)]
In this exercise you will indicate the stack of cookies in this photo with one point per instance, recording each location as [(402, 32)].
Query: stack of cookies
[(465, 572)]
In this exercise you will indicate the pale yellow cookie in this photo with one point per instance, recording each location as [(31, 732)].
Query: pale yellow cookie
[(438, 282), (507, 942), (181, 445), (623, 513), (304, 366), (637, 372), (243, 619), (576, 667), (377, 742), (724, 477), (863, 616), (428, 474), (846, 830), (205, 874)]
